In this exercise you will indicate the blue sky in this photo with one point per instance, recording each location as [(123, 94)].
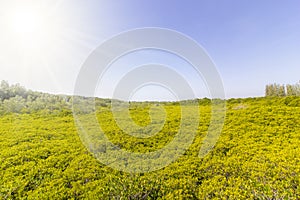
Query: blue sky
[(252, 43)]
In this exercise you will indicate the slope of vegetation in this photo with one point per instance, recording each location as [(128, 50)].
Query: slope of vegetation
[(257, 155)]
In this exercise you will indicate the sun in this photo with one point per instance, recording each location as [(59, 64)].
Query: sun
[(35, 34), (26, 22), (31, 29)]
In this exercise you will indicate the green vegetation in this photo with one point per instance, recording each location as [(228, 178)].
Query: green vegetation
[(42, 156), (276, 90)]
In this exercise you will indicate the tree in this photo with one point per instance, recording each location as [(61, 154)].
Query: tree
[(281, 91), (4, 90), (14, 104), (275, 90), (293, 90)]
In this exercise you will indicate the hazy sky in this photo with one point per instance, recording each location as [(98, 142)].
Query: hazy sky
[(43, 44)]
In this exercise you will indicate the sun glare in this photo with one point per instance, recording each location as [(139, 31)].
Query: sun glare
[(26, 22), (32, 34), (30, 28), (36, 33)]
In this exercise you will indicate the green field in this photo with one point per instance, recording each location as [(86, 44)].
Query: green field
[(257, 155)]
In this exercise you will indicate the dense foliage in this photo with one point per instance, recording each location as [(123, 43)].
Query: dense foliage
[(16, 99), (257, 155)]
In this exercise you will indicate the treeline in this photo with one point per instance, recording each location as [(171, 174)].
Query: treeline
[(277, 90), (17, 99)]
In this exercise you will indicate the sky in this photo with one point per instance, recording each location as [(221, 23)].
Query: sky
[(44, 43)]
